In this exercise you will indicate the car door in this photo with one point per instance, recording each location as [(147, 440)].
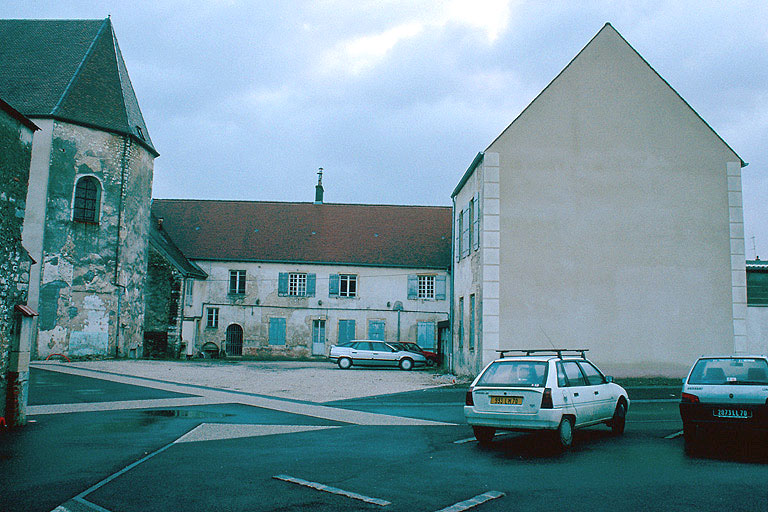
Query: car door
[(599, 392), (577, 391), (361, 353), (383, 354)]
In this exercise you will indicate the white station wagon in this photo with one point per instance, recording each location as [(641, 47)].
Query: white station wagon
[(555, 389)]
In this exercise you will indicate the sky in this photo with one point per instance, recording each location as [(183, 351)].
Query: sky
[(394, 98)]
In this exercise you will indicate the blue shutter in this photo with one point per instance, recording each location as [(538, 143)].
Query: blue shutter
[(376, 330), (439, 287), (333, 285), (346, 330), (311, 278), (476, 232), (465, 234), (282, 284), (458, 235), (413, 286), (426, 335)]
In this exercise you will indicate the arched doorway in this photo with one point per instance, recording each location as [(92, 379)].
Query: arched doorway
[(234, 345)]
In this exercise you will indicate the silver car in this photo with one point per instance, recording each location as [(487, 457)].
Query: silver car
[(374, 353), (725, 394)]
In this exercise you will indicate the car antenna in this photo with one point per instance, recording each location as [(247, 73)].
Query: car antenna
[(545, 335)]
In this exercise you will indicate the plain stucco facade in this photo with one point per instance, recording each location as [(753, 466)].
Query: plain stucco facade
[(620, 224)]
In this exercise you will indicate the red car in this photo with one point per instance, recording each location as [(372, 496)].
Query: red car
[(432, 358)]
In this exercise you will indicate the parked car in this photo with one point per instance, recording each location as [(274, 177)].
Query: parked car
[(725, 394), (432, 358), (551, 390), (374, 353)]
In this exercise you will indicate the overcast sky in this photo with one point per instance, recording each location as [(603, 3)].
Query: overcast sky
[(246, 99)]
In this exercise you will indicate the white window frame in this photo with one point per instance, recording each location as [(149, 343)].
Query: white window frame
[(344, 285), (237, 290), (212, 318), (426, 286), (297, 284)]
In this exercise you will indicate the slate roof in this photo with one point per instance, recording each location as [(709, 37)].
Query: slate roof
[(353, 234), (162, 242), (70, 70)]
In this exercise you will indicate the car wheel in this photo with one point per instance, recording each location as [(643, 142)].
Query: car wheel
[(406, 363), (344, 363), (484, 435), (565, 433), (430, 362), (619, 420)]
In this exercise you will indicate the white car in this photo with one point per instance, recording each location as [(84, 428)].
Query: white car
[(557, 390), (374, 353), (725, 394)]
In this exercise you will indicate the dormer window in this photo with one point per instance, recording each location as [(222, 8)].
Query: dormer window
[(140, 132), (86, 205)]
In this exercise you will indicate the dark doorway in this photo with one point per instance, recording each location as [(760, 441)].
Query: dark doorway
[(234, 345)]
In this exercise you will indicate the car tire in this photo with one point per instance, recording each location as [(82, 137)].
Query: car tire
[(484, 435), (344, 363), (619, 420), (406, 363), (564, 437)]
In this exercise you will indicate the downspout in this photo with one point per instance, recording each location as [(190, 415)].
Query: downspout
[(123, 159), (453, 248)]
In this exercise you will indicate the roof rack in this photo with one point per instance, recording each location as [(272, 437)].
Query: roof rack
[(543, 351)]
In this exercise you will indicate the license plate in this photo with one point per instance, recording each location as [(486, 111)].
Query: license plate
[(507, 400), (732, 413)]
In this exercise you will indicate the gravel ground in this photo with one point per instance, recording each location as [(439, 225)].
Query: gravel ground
[(301, 380)]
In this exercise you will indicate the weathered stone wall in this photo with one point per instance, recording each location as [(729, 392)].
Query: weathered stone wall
[(15, 151), (91, 272)]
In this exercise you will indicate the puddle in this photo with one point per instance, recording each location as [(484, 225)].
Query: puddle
[(184, 413)]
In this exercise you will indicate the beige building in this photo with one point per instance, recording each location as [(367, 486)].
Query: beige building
[(607, 216)]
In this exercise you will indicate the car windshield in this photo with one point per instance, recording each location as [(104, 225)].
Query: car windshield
[(411, 347), (514, 373), (730, 371)]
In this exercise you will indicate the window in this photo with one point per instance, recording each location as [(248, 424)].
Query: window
[(347, 285), (346, 331), (594, 377), (465, 241), (459, 231), (461, 323), (471, 225), (296, 284), (212, 318), (376, 330), (188, 292), (237, 282), (427, 286), (86, 204), (425, 334), (342, 285), (573, 373), (471, 322)]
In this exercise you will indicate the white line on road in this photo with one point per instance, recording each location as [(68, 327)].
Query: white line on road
[(672, 436), (473, 502), (462, 441), (332, 490)]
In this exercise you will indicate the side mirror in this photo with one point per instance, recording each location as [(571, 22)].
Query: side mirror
[(683, 380), (609, 379)]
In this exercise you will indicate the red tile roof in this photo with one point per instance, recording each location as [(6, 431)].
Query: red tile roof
[(354, 234)]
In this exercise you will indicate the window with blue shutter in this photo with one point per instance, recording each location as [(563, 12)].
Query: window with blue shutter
[(333, 285), (346, 331), (476, 230), (311, 278), (465, 233), (426, 334), (458, 236), (440, 285), (376, 330), (413, 286), (277, 331), (282, 284)]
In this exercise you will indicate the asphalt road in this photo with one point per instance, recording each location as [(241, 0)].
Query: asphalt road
[(225, 455)]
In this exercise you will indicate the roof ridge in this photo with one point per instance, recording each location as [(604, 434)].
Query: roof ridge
[(80, 66), (310, 203)]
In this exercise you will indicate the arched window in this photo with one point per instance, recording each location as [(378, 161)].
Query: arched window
[(234, 344), (86, 205)]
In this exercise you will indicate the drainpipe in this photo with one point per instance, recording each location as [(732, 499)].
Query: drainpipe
[(450, 270), (123, 159)]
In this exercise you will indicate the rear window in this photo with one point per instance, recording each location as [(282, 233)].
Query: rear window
[(515, 373), (730, 371)]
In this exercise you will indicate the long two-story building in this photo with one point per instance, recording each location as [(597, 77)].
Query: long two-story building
[(291, 279)]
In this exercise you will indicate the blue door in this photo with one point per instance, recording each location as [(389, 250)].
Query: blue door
[(376, 330), (318, 337)]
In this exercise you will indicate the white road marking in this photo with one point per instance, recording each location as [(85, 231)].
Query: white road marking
[(473, 502), (219, 431), (672, 436), (332, 490), (90, 505), (462, 441), (122, 405)]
